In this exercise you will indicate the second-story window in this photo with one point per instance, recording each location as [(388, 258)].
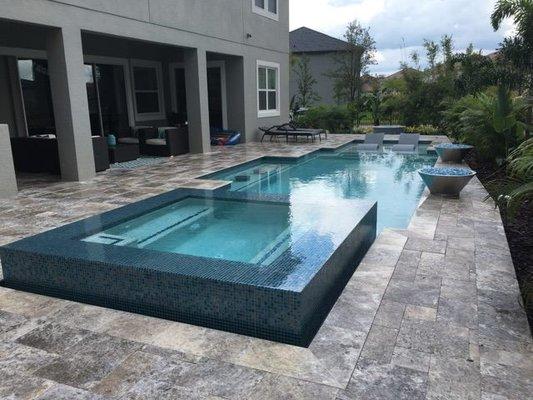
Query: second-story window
[(267, 8)]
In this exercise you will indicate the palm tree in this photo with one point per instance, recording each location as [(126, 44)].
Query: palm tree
[(521, 11)]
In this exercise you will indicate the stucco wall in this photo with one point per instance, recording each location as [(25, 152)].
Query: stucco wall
[(227, 27), (319, 64)]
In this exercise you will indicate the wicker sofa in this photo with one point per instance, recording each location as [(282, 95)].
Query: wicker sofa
[(164, 141), (41, 154)]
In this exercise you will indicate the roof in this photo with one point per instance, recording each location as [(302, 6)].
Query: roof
[(305, 40), (398, 74)]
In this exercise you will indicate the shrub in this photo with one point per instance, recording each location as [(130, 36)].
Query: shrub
[(517, 187), (336, 119), (424, 130), (362, 129), (490, 122)]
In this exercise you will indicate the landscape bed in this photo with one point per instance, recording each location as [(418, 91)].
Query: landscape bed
[(281, 290)]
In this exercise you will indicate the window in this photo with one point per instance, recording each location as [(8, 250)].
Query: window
[(106, 94), (147, 86), (37, 96), (267, 8), (268, 89)]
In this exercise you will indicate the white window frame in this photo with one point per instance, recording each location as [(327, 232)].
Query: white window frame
[(264, 11), (268, 65), (159, 73)]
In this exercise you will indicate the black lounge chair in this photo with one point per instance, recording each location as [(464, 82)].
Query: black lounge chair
[(290, 130), (373, 142), (408, 143), (303, 131)]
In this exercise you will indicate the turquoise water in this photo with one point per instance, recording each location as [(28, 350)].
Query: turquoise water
[(334, 179), (230, 230), (325, 192), (247, 231)]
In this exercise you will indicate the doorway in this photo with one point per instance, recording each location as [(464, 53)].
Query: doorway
[(216, 86)]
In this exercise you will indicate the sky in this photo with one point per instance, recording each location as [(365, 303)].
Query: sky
[(400, 26)]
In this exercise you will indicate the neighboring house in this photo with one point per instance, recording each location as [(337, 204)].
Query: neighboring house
[(73, 68), (398, 74), (320, 49)]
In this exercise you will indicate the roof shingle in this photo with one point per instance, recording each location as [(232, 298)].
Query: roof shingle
[(305, 40)]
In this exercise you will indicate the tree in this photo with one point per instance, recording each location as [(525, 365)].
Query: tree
[(352, 64), (521, 11), (373, 102), (518, 50), (415, 58), (432, 51), (306, 95)]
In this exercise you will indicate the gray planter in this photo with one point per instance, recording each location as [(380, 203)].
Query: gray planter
[(451, 152), (446, 181)]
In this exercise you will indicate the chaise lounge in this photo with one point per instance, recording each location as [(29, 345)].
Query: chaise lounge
[(408, 143), (373, 142), (287, 130)]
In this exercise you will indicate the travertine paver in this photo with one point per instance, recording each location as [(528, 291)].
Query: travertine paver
[(432, 311)]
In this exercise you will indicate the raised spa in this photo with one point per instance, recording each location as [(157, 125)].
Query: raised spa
[(250, 264)]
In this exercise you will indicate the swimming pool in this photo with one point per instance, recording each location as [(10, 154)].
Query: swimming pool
[(334, 178), (267, 255)]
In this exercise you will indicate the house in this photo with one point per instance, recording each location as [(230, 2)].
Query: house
[(399, 74), (77, 70), (320, 49)]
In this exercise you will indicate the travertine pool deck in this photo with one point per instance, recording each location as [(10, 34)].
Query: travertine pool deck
[(432, 311)]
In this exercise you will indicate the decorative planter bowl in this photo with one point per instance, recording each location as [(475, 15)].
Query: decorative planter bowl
[(452, 152), (446, 181)]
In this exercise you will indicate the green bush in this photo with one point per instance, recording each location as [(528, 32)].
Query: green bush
[(336, 119), (424, 130), (491, 123), (362, 129), (516, 188)]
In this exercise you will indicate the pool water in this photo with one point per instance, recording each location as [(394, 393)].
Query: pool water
[(247, 231), (324, 192), (225, 229), (335, 179)]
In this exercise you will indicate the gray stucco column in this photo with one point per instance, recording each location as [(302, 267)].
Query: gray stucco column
[(235, 94), (71, 110), (197, 102), (8, 180)]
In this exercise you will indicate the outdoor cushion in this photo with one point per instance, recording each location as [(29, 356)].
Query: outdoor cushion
[(368, 146), (156, 142), (404, 147), (409, 138), (128, 140)]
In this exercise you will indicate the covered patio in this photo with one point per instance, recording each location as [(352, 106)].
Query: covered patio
[(65, 93)]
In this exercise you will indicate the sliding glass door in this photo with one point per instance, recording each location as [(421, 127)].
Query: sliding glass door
[(106, 94), (37, 96)]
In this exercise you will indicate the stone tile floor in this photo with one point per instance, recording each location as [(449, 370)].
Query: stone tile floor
[(432, 311)]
